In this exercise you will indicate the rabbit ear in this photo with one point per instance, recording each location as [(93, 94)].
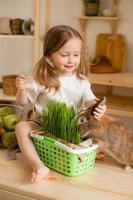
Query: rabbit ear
[(100, 101)]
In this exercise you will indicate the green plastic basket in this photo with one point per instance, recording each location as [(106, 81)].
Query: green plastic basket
[(62, 158)]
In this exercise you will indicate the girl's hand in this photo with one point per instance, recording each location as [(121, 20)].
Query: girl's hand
[(21, 81), (99, 111)]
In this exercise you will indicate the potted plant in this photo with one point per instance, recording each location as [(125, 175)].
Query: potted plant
[(91, 7)]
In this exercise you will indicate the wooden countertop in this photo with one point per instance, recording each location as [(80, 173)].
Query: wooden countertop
[(106, 181), (121, 79)]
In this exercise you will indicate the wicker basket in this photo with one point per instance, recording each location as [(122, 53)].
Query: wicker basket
[(16, 26), (9, 87)]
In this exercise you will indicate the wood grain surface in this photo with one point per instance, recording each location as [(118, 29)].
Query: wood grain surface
[(106, 181)]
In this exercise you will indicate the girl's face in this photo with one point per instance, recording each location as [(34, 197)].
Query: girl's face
[(67, 58)]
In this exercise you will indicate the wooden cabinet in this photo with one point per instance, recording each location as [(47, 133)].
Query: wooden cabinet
[(116, 105), (35, 37), (112, 20), (84, 19)]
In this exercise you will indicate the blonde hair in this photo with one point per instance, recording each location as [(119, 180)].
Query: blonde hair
[(44, 73)]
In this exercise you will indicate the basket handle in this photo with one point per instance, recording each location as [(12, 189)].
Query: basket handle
[(34, 134)]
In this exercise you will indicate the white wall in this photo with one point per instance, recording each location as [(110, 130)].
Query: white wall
[(126, 28)]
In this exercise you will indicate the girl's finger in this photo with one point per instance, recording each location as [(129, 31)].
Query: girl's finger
[(97, 114), (99, 110), (97, 118)]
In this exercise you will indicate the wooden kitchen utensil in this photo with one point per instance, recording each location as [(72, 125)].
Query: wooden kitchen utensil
[(112, 48)]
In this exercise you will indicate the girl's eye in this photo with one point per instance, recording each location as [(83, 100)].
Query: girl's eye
[(82, 120), (64, 55)]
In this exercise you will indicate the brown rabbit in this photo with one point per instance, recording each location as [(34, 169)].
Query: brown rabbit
[(111, 134)]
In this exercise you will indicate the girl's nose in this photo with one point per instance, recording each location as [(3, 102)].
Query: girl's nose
[(70, 59)]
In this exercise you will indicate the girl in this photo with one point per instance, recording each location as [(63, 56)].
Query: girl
[(60, 75)]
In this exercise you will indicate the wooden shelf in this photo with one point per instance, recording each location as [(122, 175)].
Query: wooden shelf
[(98, 18), (5, 97), (116, 105), (119, 105), (83, 23), (35, 37), (122, 79), (17, 36)]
